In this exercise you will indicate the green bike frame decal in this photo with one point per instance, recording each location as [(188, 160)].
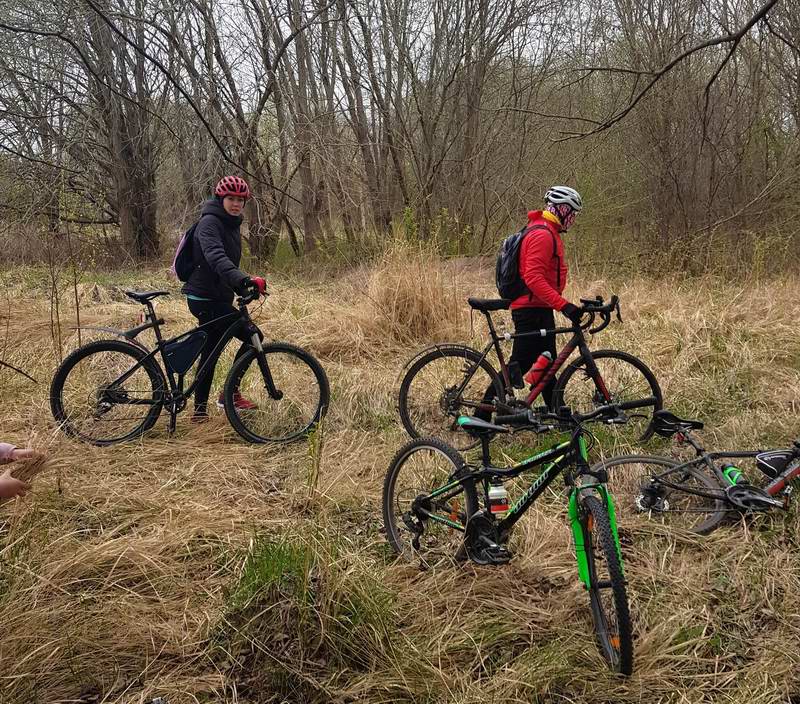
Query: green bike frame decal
[(533, 487), (446, 521), (583, 452), (539, 455), (441, 490), (577, 534)]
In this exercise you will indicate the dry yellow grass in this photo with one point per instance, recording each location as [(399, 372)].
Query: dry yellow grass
[(202, 569)]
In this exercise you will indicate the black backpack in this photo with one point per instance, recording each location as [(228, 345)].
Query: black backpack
[(183, 261), (506, 273)]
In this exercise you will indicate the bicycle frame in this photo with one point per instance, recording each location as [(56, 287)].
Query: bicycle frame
[(577, 341), (707, 459), (175, 380), (556, 460)]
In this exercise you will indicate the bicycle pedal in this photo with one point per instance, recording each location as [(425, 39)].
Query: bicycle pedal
[(491, 555), (498, 555)]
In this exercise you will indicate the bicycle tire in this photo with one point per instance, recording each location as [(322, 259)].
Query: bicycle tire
[(436, 408), (626, 487), (396, 523), (126, 349), (582, 405), (251, 424), (611, 616)]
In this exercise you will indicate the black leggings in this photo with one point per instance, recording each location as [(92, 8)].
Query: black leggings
[(526, 350), (206, 311)]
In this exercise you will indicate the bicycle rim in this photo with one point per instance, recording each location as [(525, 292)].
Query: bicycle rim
[(302, 390), (442, 385), (654, 489), (622, 378), (419, 468), (96, 398), (607, 595)]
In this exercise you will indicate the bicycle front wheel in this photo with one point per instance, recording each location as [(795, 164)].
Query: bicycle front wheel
[(425, 508), (104, 393), (621, 377), (443, 384), (657, 489), (300, 399), (607, 595)]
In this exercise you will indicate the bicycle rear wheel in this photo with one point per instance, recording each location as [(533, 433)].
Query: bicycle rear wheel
[(607, 595), (99, 395), (303, 394), (424, 503), (655, 488), (442, 384)]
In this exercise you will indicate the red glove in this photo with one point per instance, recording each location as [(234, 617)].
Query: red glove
[(261, 285)]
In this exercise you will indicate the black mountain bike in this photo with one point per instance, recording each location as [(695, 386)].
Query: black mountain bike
[(113, 390), (698, 495), (447, 380), (437, 506)]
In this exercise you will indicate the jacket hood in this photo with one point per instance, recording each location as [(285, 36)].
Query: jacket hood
[(214, 207)]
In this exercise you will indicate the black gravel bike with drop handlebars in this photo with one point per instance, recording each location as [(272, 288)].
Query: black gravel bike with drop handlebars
[(701, 494), (447, 380), (437, 507), (113, 390)]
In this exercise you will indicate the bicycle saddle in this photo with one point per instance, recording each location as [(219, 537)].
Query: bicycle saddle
[(476, 426), (487, 304), (144, 296), (666, 424)]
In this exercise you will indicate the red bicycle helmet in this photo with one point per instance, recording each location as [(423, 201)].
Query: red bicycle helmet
[(232, 186)]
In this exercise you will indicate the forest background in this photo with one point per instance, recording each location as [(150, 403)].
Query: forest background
[(444, 119)]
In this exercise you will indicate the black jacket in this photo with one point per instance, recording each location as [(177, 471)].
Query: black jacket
[(217, 251)]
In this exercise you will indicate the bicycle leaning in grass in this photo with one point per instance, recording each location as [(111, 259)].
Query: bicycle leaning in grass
[(448, 380), (113, 390), (438, 506), (700, 494)]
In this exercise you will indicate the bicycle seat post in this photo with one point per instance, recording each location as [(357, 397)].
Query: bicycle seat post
[(152, 318), (485, 440), (490, 323)]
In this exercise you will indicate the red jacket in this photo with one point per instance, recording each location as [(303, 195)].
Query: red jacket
[(542, 266)]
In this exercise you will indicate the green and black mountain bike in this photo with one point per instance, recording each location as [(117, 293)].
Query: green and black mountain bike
[(437, 506), (113, 390)]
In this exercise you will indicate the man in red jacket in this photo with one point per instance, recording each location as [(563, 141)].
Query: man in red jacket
[(544, 271)]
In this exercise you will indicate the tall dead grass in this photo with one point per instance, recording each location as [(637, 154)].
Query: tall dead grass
[(202, 569)]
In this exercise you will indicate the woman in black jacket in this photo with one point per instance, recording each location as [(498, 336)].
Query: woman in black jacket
[(217, 251)]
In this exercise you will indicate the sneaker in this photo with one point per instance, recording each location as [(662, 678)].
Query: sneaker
[(200, 417), (239, 402)]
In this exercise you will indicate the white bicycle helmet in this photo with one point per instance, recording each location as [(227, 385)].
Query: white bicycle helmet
[(564, 194)]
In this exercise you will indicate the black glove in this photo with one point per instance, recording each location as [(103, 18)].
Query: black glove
[(572, 312), (246, 285)]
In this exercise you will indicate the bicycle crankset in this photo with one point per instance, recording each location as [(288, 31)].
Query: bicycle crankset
[(750, 498), (481, 541)]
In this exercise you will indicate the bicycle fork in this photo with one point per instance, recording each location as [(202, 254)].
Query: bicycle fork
[(576, 523), (269, 382)]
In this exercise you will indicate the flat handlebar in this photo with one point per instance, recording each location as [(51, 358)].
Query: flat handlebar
[(565, 417)]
